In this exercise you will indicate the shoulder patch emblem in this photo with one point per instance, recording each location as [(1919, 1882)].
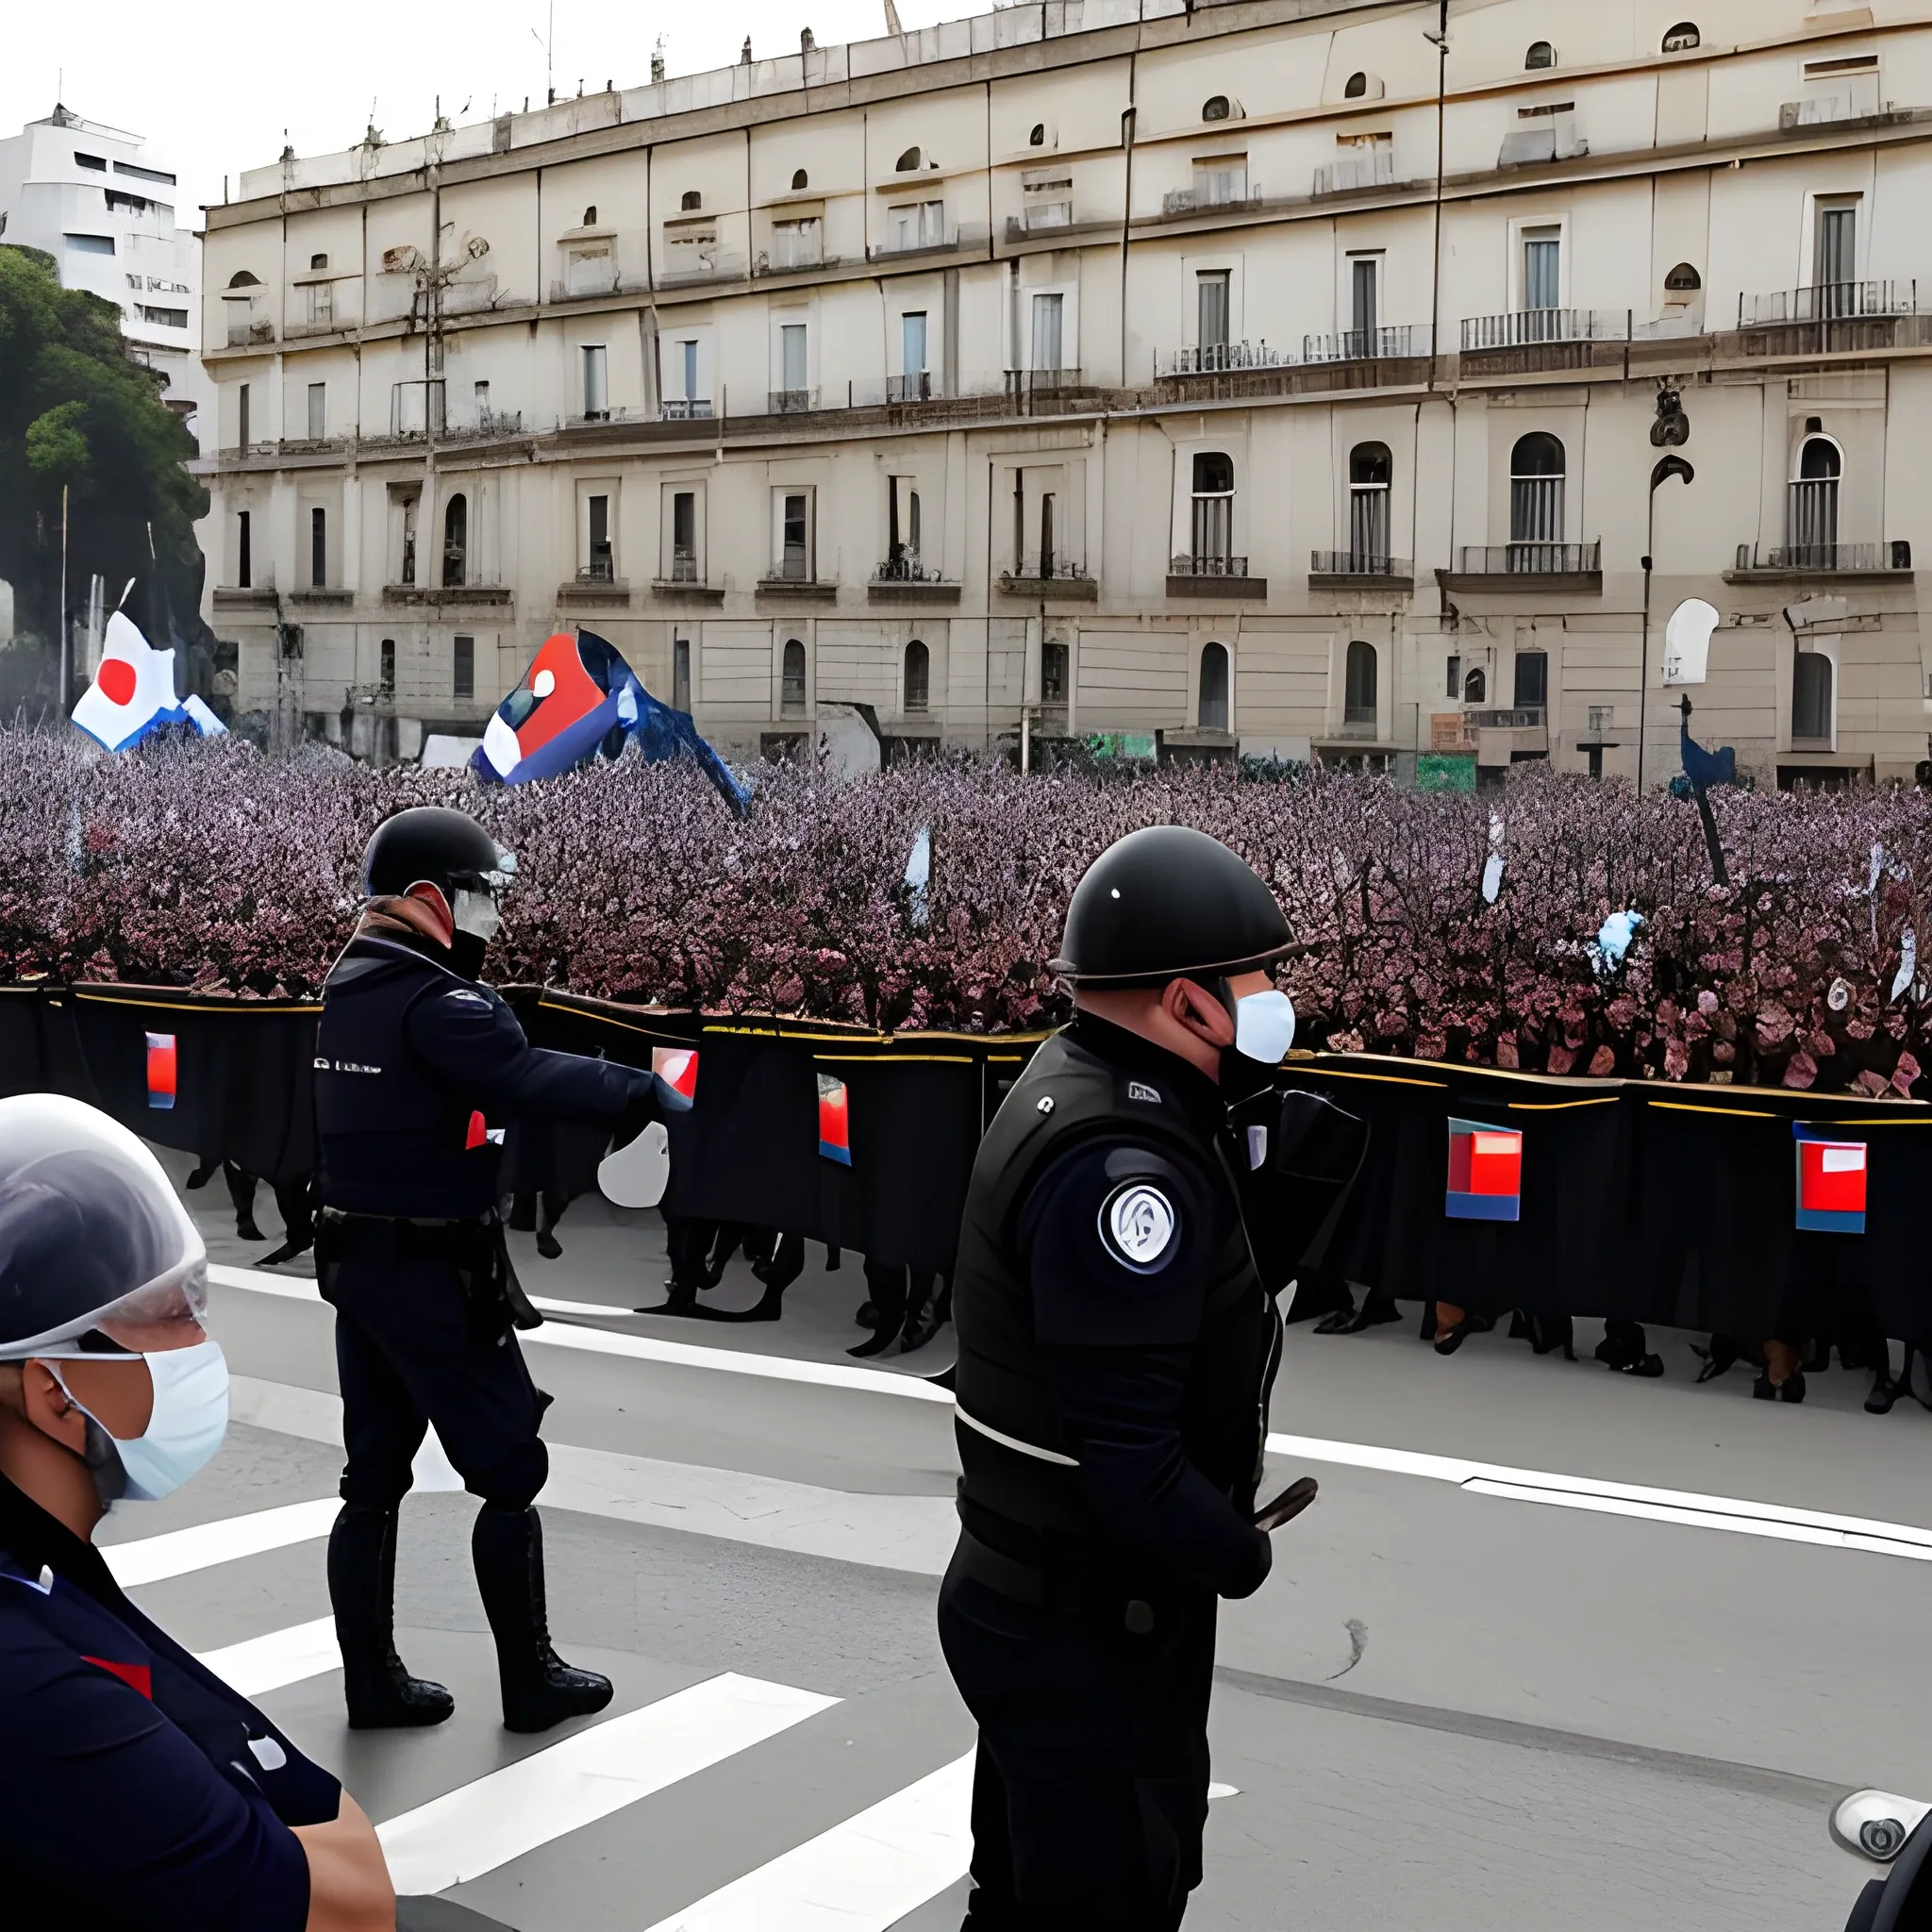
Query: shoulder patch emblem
[(1139, 1227), (1046, 1103), (1138, 1090)]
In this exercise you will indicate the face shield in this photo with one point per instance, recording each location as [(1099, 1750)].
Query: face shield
[(476, 902)]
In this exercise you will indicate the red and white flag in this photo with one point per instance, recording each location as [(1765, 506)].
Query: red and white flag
[(133, 691)]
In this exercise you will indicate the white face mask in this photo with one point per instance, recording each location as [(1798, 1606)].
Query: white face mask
[(1264, 1027), (477, 914), (185, 1428)]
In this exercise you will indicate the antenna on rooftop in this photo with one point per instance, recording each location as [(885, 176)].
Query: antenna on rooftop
[(549, 46)]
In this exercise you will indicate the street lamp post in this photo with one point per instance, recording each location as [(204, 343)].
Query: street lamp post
[(1666, 468)]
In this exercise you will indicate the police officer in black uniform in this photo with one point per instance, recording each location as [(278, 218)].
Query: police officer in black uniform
[(1117, 1346), (418, 1072)]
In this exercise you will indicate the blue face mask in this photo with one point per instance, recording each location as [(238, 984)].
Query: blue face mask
[(1264, 1027), (184, 1429)]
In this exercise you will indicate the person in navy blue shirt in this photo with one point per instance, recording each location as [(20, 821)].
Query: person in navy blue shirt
[(137, 1789)]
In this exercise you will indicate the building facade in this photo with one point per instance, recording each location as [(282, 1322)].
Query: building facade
[(102, 205), (1281, 374)]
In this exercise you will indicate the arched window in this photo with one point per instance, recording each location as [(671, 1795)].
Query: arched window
[(1683, 280), (913, 157), (456, 541), (1811, 698), (591, 216), (1811, 514), (798, 180), (691, 201), (1217, 107), (1038, 136), (317, 263), (1682, 38), (1358, 684), (1540, 54), (1536, 469), (1369, 469), (1213, 708), (792, 679), (1212, 530), (1476, 686), (243, 279), (918, 677), (1357, 88)]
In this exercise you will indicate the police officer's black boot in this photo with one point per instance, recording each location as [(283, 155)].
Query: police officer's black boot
[(538, 1688), (380, 1692)]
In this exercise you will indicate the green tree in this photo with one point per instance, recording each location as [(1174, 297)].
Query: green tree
[(78, 413)]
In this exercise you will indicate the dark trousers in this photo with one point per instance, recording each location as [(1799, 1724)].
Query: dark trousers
[(1090, 1792), (407, 1355)]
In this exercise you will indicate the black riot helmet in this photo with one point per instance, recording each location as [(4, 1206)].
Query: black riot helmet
[(1167, 903), (431, 843), (97, 1254)]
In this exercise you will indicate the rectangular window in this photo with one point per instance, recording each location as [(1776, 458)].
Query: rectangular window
[(1211, 301), (318, 411), (1047, 196), (1542, 280), (680, 674), (601, 565), (687, 369), (1455, 689), (463, 667), (684, 537), (142, 173), (1046, 332), (242, 436), (387, 672), (799, 244), (482, 405), (244, 562), (94, 162), (791, 356), (1365, 304), (166, 318), (902, 527), (89, 244), (596, 384), (588, 270), (1046, 548), (916, 224), (318, 547), (1837, 265), (319, 300), (912, 342), (794, 548), (1532, 680), (1221, 180)]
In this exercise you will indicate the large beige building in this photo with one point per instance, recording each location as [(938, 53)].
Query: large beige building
[(1279, 373)]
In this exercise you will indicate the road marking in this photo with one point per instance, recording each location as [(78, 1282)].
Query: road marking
[(176, 1551), (479, 1826), (263, 1664), (1685, 1509)]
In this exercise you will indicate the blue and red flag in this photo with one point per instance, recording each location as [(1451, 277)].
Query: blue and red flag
[(162, 1062), (1485, 1172), (1831, 1182), (835, 1119)]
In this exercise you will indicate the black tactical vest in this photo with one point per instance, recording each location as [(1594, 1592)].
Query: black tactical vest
[(394, 1139), (1016, 1460)]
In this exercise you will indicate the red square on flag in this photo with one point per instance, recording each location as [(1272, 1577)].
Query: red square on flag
[(1831, 1183), (1485, 1172), (160, 1070)]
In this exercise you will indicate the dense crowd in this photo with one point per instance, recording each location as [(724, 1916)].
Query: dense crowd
[(211, 865)]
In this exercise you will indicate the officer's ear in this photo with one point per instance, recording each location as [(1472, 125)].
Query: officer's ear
[(430, 898), (39, 1399), (1190, 1005)]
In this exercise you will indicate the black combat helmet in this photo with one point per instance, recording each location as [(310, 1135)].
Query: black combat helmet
[(447, 848), (1165, 903)]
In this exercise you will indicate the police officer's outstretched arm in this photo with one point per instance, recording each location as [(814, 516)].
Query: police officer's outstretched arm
[(1121, 1240)]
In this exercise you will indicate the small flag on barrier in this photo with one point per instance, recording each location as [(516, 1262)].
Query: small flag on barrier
[(160, 1070), (1485, 1172), (835, 1121), (677, 1067), (1831, 1182)]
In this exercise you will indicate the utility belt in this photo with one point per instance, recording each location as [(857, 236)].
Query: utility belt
[(1071, 1576), (473, 1249)]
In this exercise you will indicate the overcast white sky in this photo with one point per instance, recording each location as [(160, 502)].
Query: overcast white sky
[(214, 87)]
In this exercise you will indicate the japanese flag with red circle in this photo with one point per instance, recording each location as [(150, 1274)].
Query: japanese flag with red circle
[(133, 691)]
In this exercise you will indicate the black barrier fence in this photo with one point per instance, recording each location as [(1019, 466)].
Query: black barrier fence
[(1683, 1205)]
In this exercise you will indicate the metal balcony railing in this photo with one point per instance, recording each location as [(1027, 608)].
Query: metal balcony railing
[(790, 570), (916, 385), (1368, 344), (1532, 560), (684, 568), (1373, 169), (687, 409), (791, 402), (1357, 563), (1863, 559), (582, 286), (1186, 565), (1051, 570), (1206, 201), (1830, 302), (1212, 358), (1532, 325), (241, 334), (1041, 381), (600, 570), (1517, 717), (905, 569)]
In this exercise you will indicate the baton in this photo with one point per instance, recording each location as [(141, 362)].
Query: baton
[(1289, 1504)]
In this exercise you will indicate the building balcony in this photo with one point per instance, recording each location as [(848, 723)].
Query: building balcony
[(687, 409), (1543, 569), (701, 270), (1179, 202), (966, 235), (1050, 579), (585, 288), (490, 424), (1502, 736), (322, 593), (793, 579), (902, 579), (1213, 576), (447, 596), (595, 582), (915, 387), (243, 335), (1369, 344), (1830, 302), (1531, 327), (684, 578), (1353, 570), (1374, 169), (245, 596), (1788, 561), (791, 402), (1215, 358)]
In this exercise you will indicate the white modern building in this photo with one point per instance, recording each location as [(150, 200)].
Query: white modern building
[(1279, 375), (103, 206)]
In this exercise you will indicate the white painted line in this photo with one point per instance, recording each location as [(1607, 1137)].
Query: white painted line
[(479, 1826), (643, 1348), (263, 1664), (176, 1551), (862, 1875)]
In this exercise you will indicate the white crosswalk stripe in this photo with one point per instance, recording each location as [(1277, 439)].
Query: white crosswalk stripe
[(176, 1551), (281, 1657), (481, 1825)]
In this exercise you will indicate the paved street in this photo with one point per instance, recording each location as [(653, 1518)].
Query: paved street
[(1476, 1692)]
